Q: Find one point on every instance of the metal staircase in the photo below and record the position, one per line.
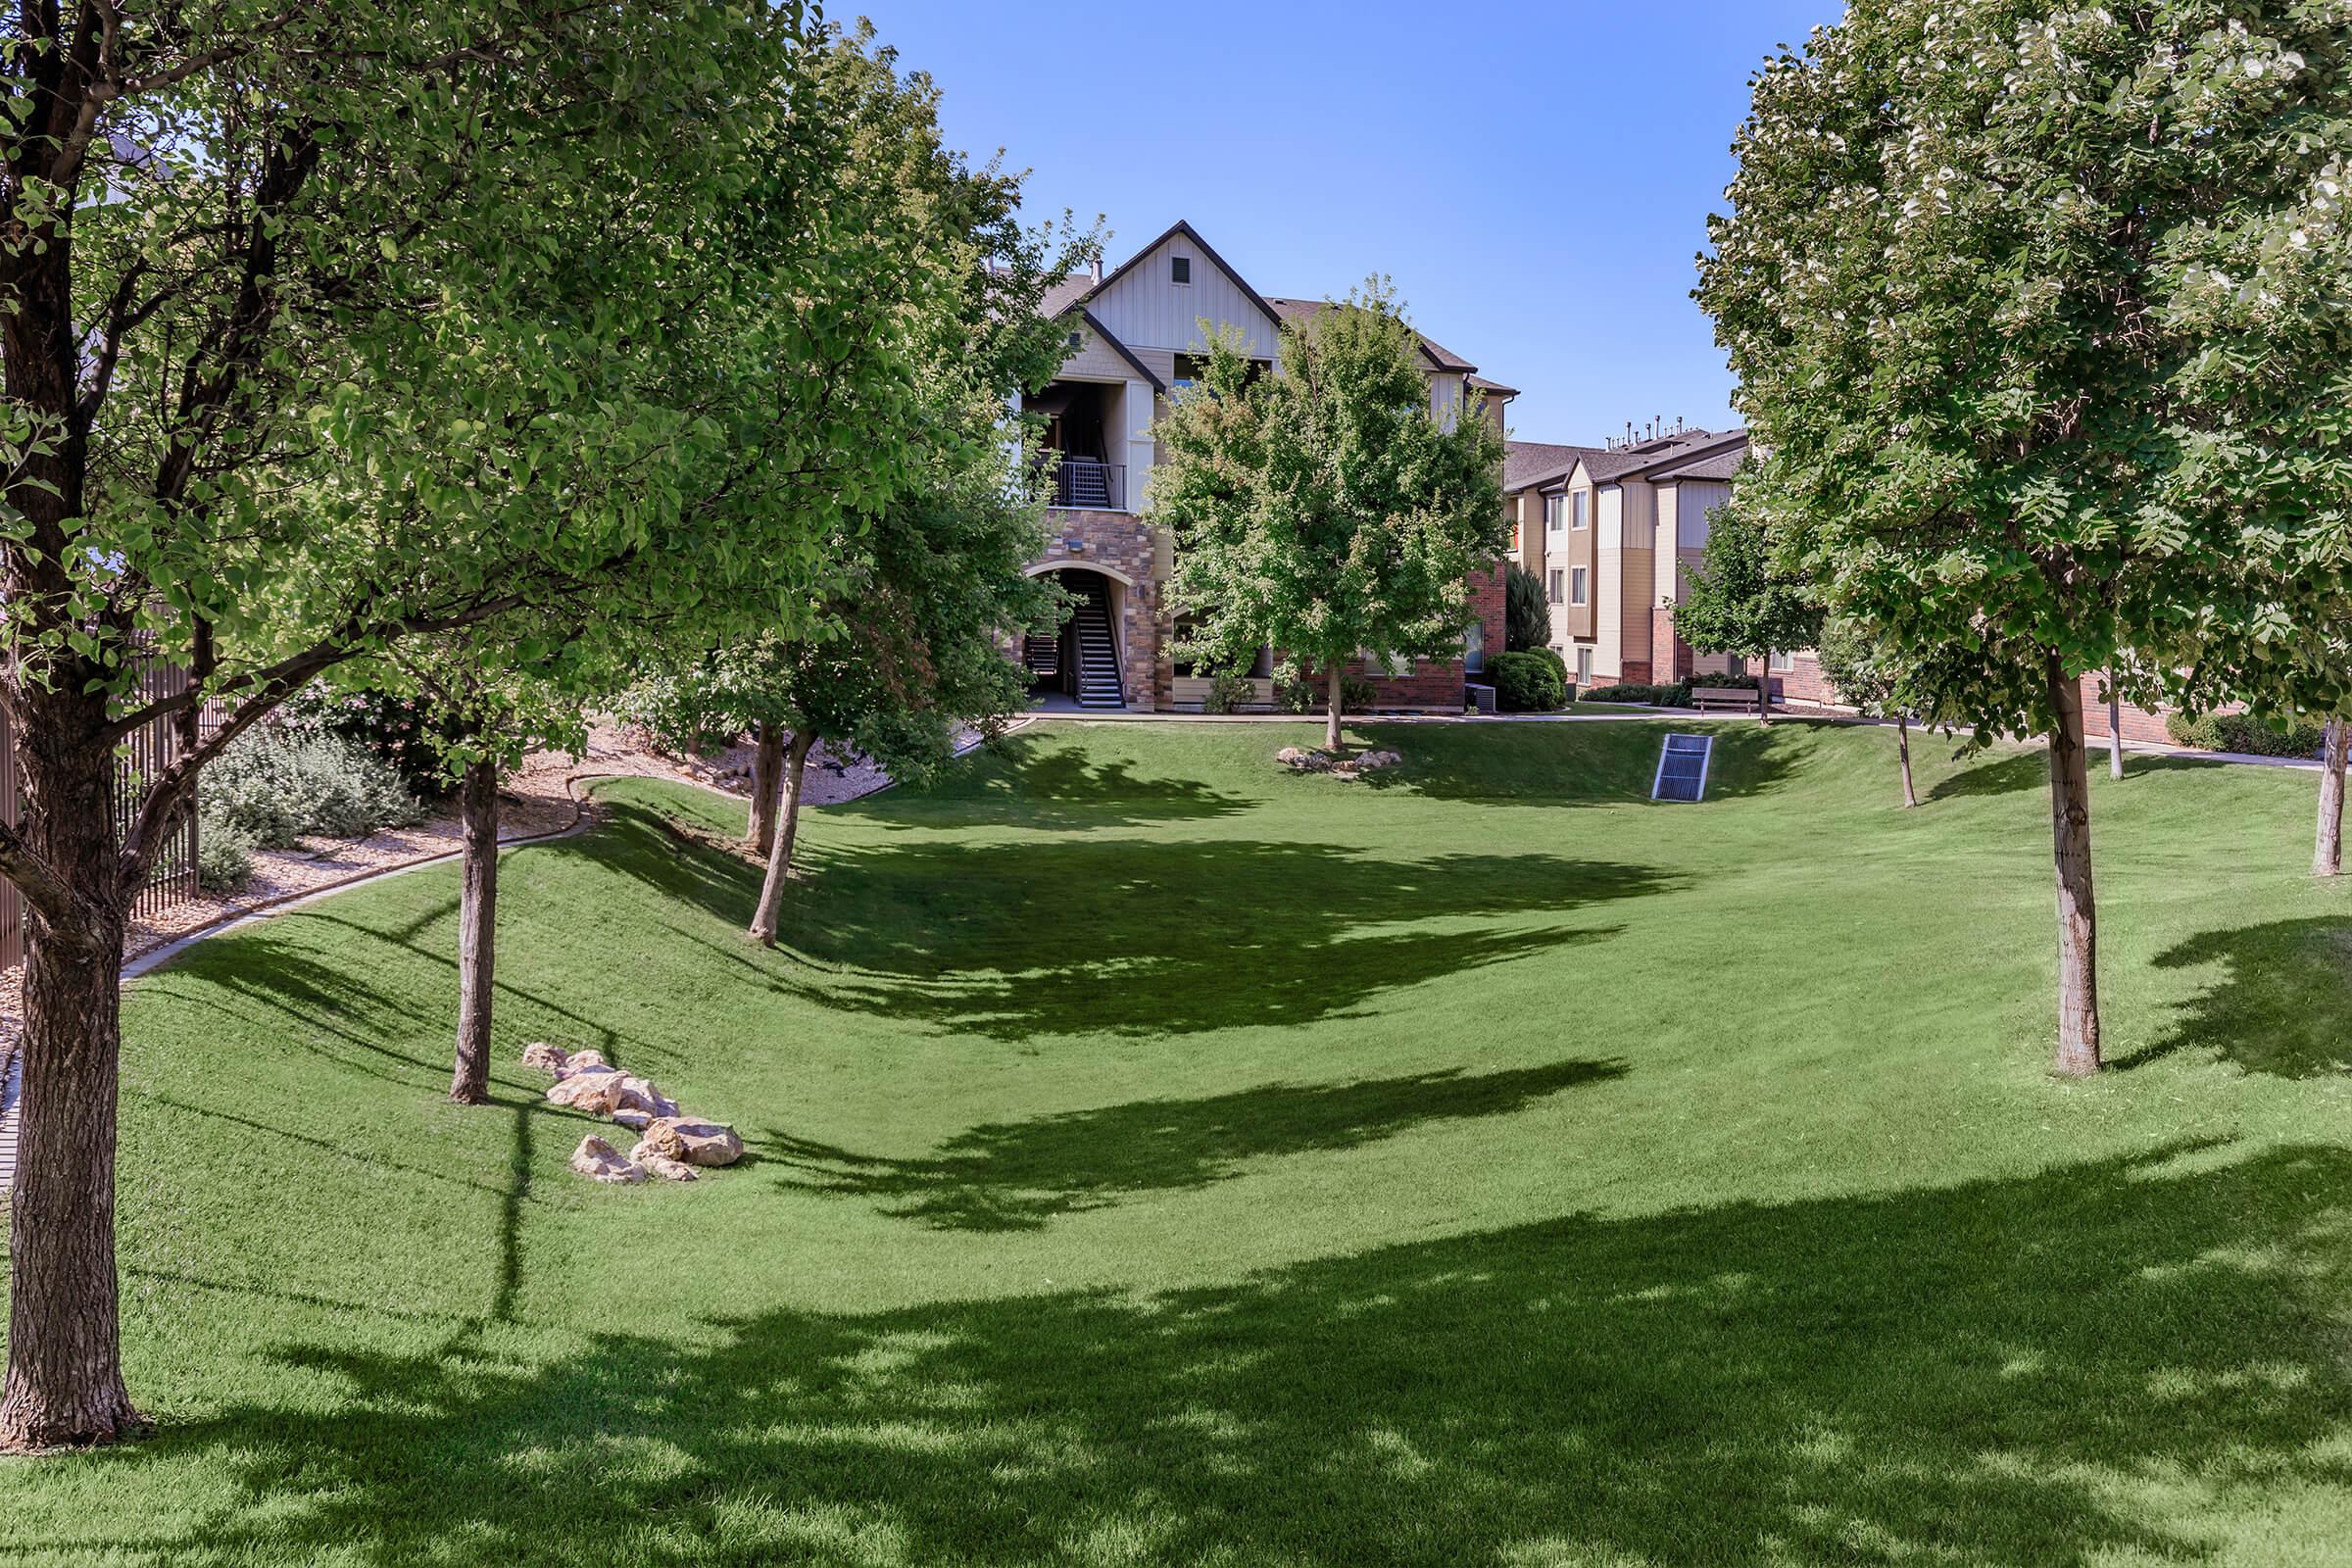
(1041, 652)
(1097, 654)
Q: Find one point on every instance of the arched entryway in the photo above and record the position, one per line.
(1079, 663)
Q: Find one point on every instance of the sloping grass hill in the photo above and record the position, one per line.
(1158, 1158)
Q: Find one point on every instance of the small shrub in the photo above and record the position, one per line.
(223, 857)
(2246, 733)
(276, 786)
(1528, 683)
(1228, 693)
(1294, 694)
(1662, 696)
(403, 731)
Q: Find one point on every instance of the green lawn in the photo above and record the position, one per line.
(1158, 1158)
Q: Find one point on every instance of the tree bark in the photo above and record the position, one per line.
(2115, 729)
(477, 933)
(64, 1384)
(1764, 689)
(2078, 908)
(1902, 750)
(767, 770)
(1333, 702)
(2328, 857)
(788, 827)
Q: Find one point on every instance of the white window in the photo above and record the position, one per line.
(1577, 585)
(1551, 513)
(1179, 269)
(1784, 663)
(1474, 646)
(1578, 519)
(1557, 578)
(1584, 665)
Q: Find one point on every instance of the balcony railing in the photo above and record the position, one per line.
(1085, 484)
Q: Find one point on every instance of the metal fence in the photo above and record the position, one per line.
(151, 748)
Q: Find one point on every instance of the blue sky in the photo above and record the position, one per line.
(1537, 178)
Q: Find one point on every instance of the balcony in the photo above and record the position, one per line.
(1089, 485)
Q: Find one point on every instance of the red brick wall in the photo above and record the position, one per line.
(2138, 724)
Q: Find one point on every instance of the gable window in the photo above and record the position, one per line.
(1557, 578)
(1577, 585)
(1179, 269)
(1551, 513)
(1077, 340)
(1578, 519)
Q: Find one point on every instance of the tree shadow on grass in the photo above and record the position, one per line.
(1038, 782)
(2279, 1005)
(2120, 1358)
(2010, 775)
(1012, 1176)
(1141, 937)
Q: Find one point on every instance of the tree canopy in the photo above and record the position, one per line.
(1329, 509)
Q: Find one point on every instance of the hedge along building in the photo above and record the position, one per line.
(1134, 338)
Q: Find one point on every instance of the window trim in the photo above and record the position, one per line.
(1554, 512)
(1580, 587)
(1580, 513)
(1182, 264)
(1555, 587)
(1782, 661)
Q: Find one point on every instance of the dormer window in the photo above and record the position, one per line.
(1077, 340)
(1179, 269)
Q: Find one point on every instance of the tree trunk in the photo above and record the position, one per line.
(2328, 858)
(2115, 730)
(2077, 910)
(1902, 750)
(767, 769)
(477, 933)
(788, 827)
(65, 1360)
(1764, 689)
(1335, 701)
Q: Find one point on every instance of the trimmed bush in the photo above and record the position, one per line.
(1662, 696)
(1528, 683)
(401, 730)
(223, 857)
(2246, 734)
(278, 785)
(1228, 693)
(1297, 696)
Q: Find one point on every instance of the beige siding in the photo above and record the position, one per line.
(1096, 361)
(1144, 309)
(1609, 577)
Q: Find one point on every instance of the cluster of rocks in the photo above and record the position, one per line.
(670, 1143)
(1305, 759)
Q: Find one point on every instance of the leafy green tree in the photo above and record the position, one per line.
(330, 327)
(907, 655)
(1526, 612)
(1960, 283)
(1868, 676)
(1745, 600)
(1328, 509)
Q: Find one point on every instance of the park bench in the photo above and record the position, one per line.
(1705, 698)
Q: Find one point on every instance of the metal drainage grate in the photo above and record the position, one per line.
(1683, 768)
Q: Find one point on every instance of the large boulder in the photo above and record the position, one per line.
(638, 1093)
(600, 1162)
(693, 1140)
(581, 1061)
(657, 1163)
(596, 1093)
(546, 1058)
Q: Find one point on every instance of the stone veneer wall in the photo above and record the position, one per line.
(1124, 544)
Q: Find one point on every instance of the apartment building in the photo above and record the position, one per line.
(1135, 335)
